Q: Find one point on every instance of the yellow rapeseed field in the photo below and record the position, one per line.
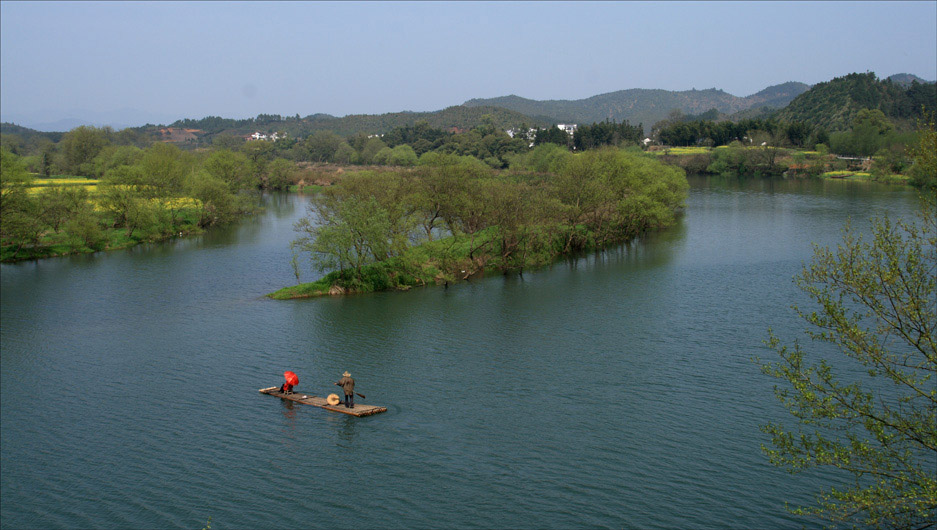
(37, 185)
(92, 189)
(694, 150)
(69, 181)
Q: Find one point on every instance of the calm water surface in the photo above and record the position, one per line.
(614, 390)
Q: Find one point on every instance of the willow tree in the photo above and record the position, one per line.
(871, 409)
(344, 233)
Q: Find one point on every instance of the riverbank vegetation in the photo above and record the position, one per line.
(872, 148)
(144, 195)
(452, 217)
(153, 183)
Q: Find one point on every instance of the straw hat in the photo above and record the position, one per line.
(332, 399)
(346, 374)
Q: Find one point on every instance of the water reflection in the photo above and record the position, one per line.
(289, 415)
(344, 426)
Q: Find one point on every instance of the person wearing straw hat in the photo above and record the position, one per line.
(348, 385)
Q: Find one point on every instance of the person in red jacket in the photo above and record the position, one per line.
(291, 380)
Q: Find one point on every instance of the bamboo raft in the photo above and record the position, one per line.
(315, 401)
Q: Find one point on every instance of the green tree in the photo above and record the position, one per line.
(321, 146)
(443, 178)
(369, 149)
(20, 223)
(616, 195)
(85, 230)
(229, 167)
(59, 203)
(871, 411)
(114, 156)
(402, 155)
(281, 174)
(545, 158)
(382, 157)
(80, 146)
(128, 209)
(869, 129)
(12, 170)
(218, 204)
(924, 169)
(349, 233)
(260, 154)
(345, 154)
(165, 169)
(396, 193)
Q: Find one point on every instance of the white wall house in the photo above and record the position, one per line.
(261, 136)
(569, 128)
(530, 134)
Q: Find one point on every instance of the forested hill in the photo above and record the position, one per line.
(644, 106)
(29, 135)
(833, 104)
(459, 117)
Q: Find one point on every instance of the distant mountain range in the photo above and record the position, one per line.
(66, 120)
(827, 104)
(645, 106)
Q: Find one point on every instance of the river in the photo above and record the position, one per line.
(612, 390)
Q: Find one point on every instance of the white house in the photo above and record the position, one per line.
(570, 128)
(530, 134)
(261, 136)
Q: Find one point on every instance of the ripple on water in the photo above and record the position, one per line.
(613, 390)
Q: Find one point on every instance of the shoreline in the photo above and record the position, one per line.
(422, 266)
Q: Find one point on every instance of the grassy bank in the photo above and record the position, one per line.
(866, 176)
(59, 243)
(770, 161)
(441, 262)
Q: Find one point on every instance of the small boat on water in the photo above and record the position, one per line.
(322, 403)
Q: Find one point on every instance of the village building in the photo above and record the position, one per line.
(261, 136)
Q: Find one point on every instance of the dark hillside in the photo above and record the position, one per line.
(833, 104)
(777, 96)
(456, 117)
(27, 134)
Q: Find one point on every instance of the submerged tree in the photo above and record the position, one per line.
(872, 414)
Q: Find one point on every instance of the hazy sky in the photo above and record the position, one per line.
(239, 59)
